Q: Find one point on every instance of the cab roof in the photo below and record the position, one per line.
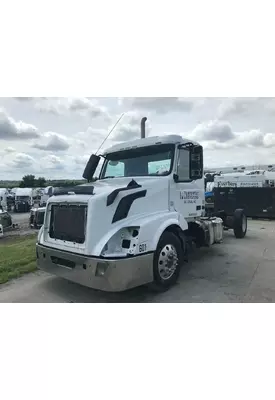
(149, 141)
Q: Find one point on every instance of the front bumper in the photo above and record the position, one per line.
(35, 226)
(97, 273)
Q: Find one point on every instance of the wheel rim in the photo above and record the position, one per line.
(167, 262)
(244, 223)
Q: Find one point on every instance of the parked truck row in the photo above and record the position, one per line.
(23, 199)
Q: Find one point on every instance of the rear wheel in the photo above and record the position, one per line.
(239, 223)
(168, 259)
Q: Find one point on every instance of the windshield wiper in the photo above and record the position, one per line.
(107, 177)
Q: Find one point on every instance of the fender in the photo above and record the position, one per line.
(171, 220)
(151, 228)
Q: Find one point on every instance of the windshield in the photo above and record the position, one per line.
(22, 198)
(143, 161)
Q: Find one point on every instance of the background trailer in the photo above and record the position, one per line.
(254, 193)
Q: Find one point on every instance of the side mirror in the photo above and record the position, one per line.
(196, 163)
(91, 167)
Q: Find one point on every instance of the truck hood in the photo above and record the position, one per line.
(104, 217)
(106, 186)
(102, 188)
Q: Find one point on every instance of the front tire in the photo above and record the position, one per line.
(168, 258)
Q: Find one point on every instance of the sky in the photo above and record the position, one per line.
(54, 136)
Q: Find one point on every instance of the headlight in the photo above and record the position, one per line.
(123, 242)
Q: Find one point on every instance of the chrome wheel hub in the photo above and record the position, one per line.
(167, 262)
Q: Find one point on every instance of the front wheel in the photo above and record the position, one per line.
(239, 223)
(168, 259)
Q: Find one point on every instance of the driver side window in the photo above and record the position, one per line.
(184, 165)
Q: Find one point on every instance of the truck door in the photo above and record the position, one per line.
(186, 195)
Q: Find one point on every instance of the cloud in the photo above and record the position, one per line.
(95, 134)
(217, 134)
(82, 160)
(80, 143)
(129, 128)
(15, 130)
(66, 105)
(160, 105)
(252, 138)
(24, 98)
(269, 104)
(22, 160)
(52, 141)
(233, 106)
(269, 140)
(9, 150)
(220, 131)
(245, 107)
(52, 162)
(237, 129)
(90, 139)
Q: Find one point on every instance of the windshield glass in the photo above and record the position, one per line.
(22, 198)
(143, 161)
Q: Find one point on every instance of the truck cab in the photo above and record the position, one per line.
(23, 200)
(132, 225)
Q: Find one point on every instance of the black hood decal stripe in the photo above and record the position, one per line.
(112, 196)
(125, 204)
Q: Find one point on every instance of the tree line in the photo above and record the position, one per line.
(30, 181)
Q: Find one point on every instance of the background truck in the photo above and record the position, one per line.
(6, 223)
(135, 224)
(253, 192)
(23, 200)
(36, 218)
(47, 193)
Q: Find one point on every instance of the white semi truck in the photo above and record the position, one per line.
(134, 225)
(23, 199)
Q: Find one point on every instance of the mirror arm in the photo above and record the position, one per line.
(176, 177)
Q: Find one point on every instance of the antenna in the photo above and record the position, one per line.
(109, 133)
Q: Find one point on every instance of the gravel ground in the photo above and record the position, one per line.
(22, 219)
(234, 271)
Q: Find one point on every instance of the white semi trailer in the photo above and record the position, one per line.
(133, 225)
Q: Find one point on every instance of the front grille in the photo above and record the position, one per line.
(68, 222)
